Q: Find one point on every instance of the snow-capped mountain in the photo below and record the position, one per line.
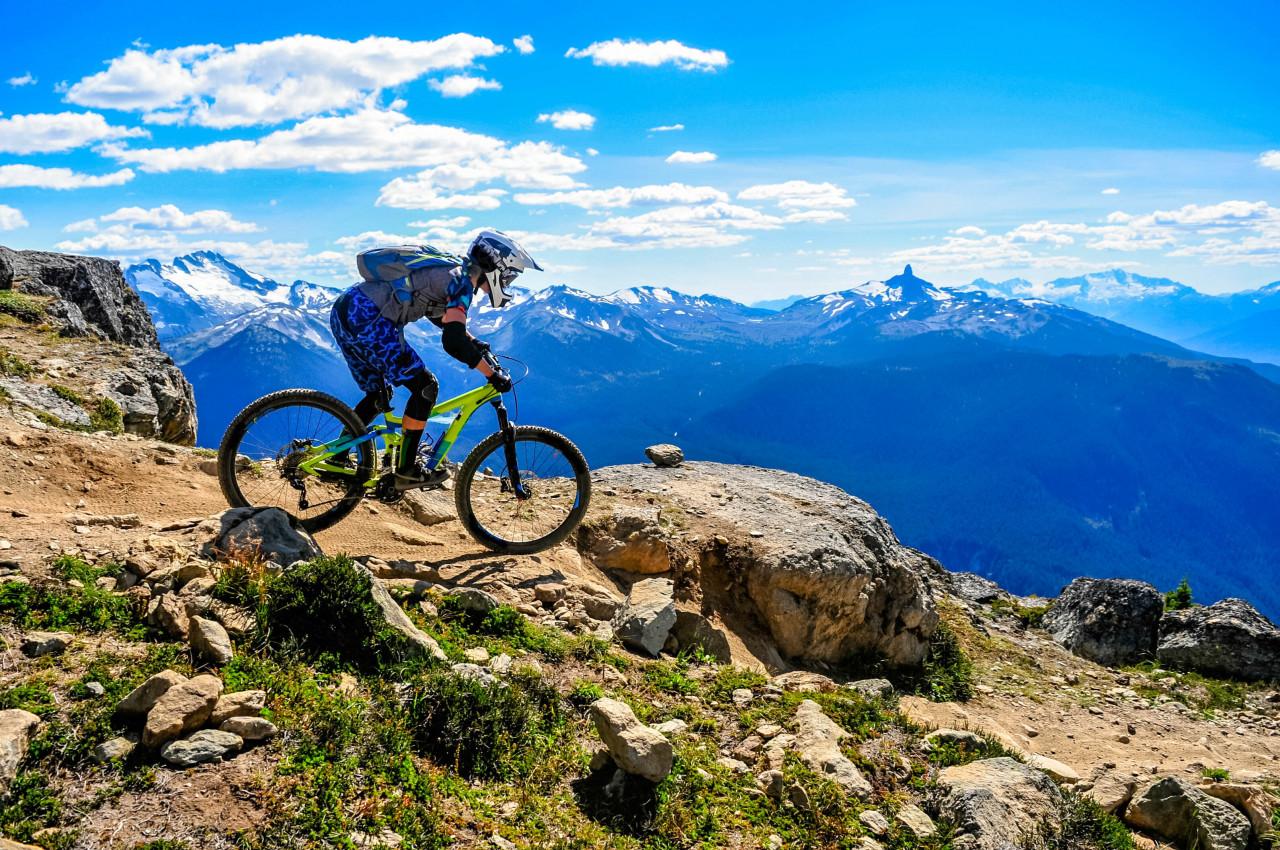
(1166, 308)
(200, 290)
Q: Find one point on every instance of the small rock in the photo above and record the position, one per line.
(116, 748)
(476, 600)
(665, 455)
(183, 707)
(210, 639)
(733, 765)
(872, 688)
(772, 783)
(916, 822)
(36, 644)
(798, 797)
(141, 699)
(250, 728)
(742, 697)
(1059, 772)
(634, 747)
(671, 727)
(16, 728)
(876, 823)
(237, 704)
(477, 655)
(95, 689)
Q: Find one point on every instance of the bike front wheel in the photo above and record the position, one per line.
(553, 473)
(258, 461)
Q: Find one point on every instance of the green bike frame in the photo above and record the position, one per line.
(389, 435)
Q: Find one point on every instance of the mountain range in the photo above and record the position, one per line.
(1240, 324)
(1024, 439)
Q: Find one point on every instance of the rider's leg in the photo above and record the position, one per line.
(373, 403)
(423, 390)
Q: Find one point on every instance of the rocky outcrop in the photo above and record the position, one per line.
(89, 297)
(1110, 621)
(629, 539)
(999, 802)
(974, 588)
(822, 570)
(1228, 639)
(1181, 812)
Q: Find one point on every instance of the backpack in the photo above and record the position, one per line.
(393, 264)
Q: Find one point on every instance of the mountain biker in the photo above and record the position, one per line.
(368, 323)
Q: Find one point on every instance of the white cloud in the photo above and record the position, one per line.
(969, 230)
(666, 129)
(269, 82)
(653, 53)
(14, 176)
(264, 256)
(524, 44)
(685, 157)
(621, 196)
(169, 218)
(568, 120)
(799, 194)
(414, 193)
(1111, 191)
(53, 133)
(815, 216)
(685, 226)
(25, 80)
(461, 85)
(10, 218)
(1169, 228)
(374, 140)
(452, 223)
(592, 152)
(1270, 159)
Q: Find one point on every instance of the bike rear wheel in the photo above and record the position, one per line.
(552, 470)
(262, 447)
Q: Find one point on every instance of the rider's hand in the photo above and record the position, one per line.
(482, 346)
(500, 381)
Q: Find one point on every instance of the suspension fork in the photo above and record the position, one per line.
(509, 444)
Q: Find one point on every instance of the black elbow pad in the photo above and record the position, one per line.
(459, 345)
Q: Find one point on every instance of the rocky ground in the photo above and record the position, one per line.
(703, 665)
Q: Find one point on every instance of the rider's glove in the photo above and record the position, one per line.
(500, 381)
(482, 346)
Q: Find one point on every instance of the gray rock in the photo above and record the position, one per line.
(1228, 639)
(916, 822)
(1178, 810)
(475, 673)
(1112, 791)
(430, 507)
(633, 746)
(266, 531)
(476, 601)
(183, 707)
(872, 688)
(197, 594)
(142, 698)
(421, 642)
(829, 577)
(601, 608)
(818, 742)
(205, 745)
(36, 644)
(696, 630)
(772, 783)
(646, 617)
(974, 588)
(999, 802)
(665, 454)
(210, 640)
(971, 741)
(95, 689)
(1110, 621)
(629, 539)
(116, 748)
(41, 398)
(250, 728)
(16, 728)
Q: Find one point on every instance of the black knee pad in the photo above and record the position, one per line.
(423, 389)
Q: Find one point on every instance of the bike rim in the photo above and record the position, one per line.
(545, 472)
(272, 445)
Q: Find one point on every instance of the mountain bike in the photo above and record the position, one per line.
(522, 489)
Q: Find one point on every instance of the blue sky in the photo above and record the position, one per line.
(993, 140)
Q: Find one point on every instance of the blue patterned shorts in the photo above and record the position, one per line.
(374, 350)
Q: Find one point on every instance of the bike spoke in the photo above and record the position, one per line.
(544, 472)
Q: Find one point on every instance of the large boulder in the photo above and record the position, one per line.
(823, 571)
(1112, 621)
(16, 728)
(634, 747)
(266, 532)
(645, 619)
(818, 742)
(1228, 639)
(1179, 811)
(999, 802)
(629, 538)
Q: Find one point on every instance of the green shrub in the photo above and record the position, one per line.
(107, 417)
(487, 732)
(585, 693)
(1085, 826)
(1178, 599)
(945, 674)
(1029, 618)
(20, 306)
(1217, 774)
(69, 567)
(324, 611)
(14, 366)
(51, 606)
(31, 806)
(669, 678)
(68, 394)
(729, 678)
(33, 696)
